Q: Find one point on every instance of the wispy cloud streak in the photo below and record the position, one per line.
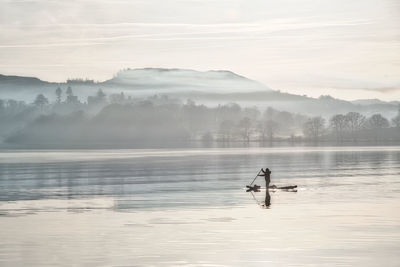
(286, 44)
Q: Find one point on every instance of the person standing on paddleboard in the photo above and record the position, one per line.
(267, 176)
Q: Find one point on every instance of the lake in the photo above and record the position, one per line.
(189, 207)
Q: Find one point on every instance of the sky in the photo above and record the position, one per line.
(347, 49)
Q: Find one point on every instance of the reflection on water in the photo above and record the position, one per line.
(267, 201)
(195, 178)
(189, 207)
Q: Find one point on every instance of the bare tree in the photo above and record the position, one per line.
(376, 123)
(339, 123)
(355, 123)
(314, 128)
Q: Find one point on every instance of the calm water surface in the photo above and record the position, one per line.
(189, 207)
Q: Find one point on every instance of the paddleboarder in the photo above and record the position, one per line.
(267, 175)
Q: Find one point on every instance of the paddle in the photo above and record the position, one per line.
(256, 177)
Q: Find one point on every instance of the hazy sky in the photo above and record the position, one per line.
(346, 48)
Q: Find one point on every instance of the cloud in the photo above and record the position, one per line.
(44, 45)
(97, 33)
(305, 43)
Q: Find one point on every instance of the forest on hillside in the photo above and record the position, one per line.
(118, 119)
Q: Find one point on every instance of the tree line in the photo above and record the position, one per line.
(118, 118)
(354, 127)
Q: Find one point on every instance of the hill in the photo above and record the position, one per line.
(137, 82)
(208, 87)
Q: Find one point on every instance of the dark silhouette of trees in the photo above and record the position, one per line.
(355, 123)
(71, 98)
(98, 100)
(41, 101)
(314, 128)
(58, 94)
(396, 120)
(69, 92)
(157, 118)
(376, 123)
(339, 124)
(2, 106)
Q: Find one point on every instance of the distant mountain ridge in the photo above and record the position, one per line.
(184, 80)
(373, 102)
(20, 80)
(132, 81)
(210, 87)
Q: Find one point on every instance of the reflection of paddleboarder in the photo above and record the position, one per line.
(267, 203)
(267, 198)
(267, 176)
